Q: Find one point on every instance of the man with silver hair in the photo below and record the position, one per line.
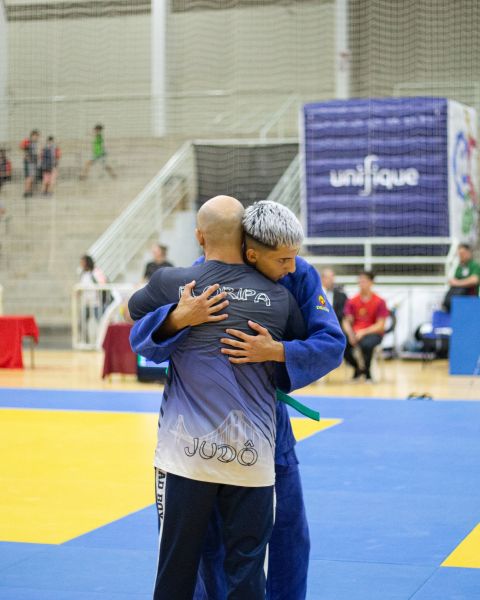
(273, 225)
(273, 237)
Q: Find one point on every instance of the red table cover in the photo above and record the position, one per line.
(119, 357)
(12, 330)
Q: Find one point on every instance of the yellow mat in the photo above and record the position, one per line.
(64, 473)
(467, 553)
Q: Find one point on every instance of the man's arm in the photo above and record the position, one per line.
(150, 307)
(306, 360)
(470, 281)
(347, 323)
(378, 327)
(149, 298)
(161, 334)
(143, 340)
(194, 310)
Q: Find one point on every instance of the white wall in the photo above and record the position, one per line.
(96, 68)
(3, 73)
(178, 234)
(255, 56)
(431, 45)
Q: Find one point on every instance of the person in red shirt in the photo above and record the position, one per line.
(363, 324)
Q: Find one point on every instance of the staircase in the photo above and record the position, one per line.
(41, 245)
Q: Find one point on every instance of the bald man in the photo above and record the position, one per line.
(216, 433)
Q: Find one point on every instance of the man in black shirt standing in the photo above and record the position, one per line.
(159, 261)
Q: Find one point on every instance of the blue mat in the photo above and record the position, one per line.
(390, 493)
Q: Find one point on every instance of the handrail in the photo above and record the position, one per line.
(293, 99)
(384, 241)
(89, 327)
(125, 237)
(168, 96)
(287, 189)
(368, 259)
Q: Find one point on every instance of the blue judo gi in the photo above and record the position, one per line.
(305, 361)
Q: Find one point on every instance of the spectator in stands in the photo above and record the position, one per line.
(30, 161)
(335, 295)
(159, 261)
(5, 168)
(466, 279)
(363, 323)
(49, 162)
(99, 153)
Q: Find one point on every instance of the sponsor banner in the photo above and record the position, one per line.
(463, 172)
(376, 167)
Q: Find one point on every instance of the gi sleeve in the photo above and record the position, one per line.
(150, 307)
(151, 296)
(322, 351)
(143, 336)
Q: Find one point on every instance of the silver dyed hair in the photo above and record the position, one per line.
(272, 224)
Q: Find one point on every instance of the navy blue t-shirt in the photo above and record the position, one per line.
(217, 419)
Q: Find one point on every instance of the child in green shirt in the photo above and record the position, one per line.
(99, 154)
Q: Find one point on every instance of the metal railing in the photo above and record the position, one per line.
(94, 307)
(279, 119)
(211, 112)
(367, 259)
(288, 188)
(174, 185)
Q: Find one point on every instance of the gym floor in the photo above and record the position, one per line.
(392, 488)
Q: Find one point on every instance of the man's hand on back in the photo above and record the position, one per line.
(253, 348)
(194, 310)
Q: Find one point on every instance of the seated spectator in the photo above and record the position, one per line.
(159, 261)
(363, 323)
(466, 279)
(5, 168)
(335, 295)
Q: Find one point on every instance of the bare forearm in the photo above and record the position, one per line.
(375, 328)
(245, 348)
(467, 282)
(347, 327)
(277, 353)
(172, 324)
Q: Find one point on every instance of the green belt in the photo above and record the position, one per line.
(298, 406)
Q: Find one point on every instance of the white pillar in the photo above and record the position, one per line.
(159, 66)
(3, 73)
(342, 51)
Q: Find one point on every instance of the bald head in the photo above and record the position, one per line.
(219, 222)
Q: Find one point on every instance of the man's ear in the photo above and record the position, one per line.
(251, 256)
(199, 236)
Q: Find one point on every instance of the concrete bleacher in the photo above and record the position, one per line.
(40, 248)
